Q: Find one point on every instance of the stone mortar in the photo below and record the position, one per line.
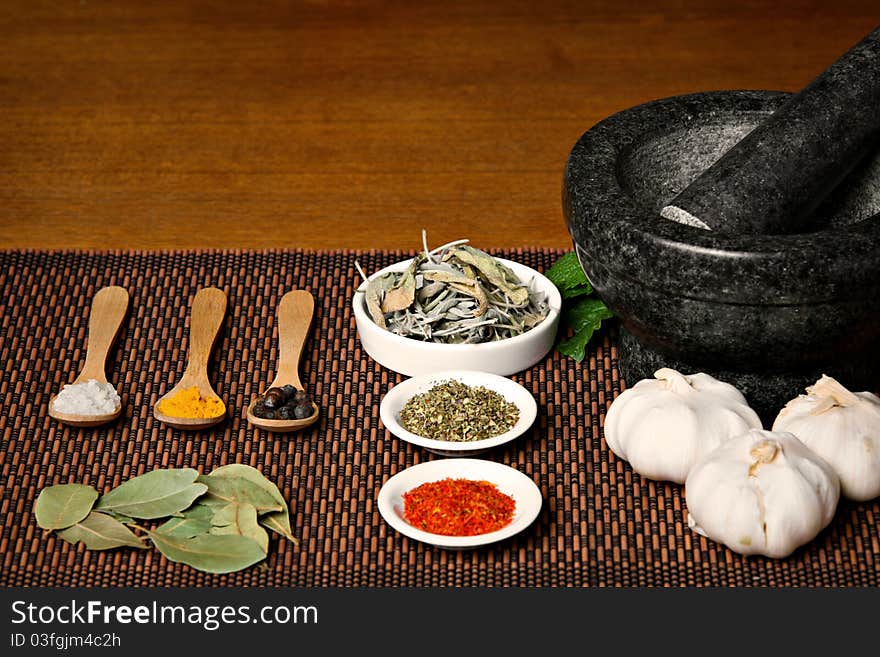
(768, 313)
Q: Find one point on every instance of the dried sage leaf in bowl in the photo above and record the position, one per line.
(454, 294)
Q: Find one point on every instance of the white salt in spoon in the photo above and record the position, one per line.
(109, 306)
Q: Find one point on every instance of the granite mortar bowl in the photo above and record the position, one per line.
(767, 313)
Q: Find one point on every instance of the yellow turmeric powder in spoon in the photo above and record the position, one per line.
(188, 403)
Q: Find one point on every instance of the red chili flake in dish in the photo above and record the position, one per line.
(458, 507)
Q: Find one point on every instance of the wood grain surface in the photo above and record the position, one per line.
(334, 125)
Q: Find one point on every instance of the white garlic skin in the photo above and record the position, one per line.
(762, 492)
(843, 427)
(662, 426)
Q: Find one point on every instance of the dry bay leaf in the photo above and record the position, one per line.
(212, 553)
(240, 519)
(155, 494)
(276, 521)
(124, 519)
(192, 522)
(279, 522)
(223, 490)
(64, 505)
(98, 531)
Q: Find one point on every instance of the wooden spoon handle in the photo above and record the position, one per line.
(206, 317)
(295, 313)
(109, 306)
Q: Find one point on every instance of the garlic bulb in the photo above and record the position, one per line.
(762, 492)
(663, 425)
(843, 427)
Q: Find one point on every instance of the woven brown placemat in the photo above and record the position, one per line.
(601, 525)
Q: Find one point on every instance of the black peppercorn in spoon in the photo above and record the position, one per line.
(295, 313)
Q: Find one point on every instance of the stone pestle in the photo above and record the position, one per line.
(772, 180)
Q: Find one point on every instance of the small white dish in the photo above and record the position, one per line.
(509, 481)
(395, 399)
(413, 357)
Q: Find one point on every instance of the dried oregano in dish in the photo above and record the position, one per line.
(453, 410)
(454, 294)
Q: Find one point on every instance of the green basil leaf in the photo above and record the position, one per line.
(587, 313)
(99, 531)
(584, 317)
(155, 494)
(64, 505)
(568, 275)
(210, 553)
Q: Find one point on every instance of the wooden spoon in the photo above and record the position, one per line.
(109, 306)
(208, 309)
(295, 313)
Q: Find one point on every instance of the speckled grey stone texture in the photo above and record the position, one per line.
(773, 180)
(772, 308)
(766, 391)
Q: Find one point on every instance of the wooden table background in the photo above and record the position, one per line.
(334, 125)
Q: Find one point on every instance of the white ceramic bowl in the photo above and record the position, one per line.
(504, 357)
(510, 481)
(395, 399)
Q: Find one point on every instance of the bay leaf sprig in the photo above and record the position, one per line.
(192, 522)
(276, 521)
(241, 520)
(64, 505)
(223, 491)
(211, 553)
(99, 531)
(215, 523)
(582, 310)
(155, 494)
